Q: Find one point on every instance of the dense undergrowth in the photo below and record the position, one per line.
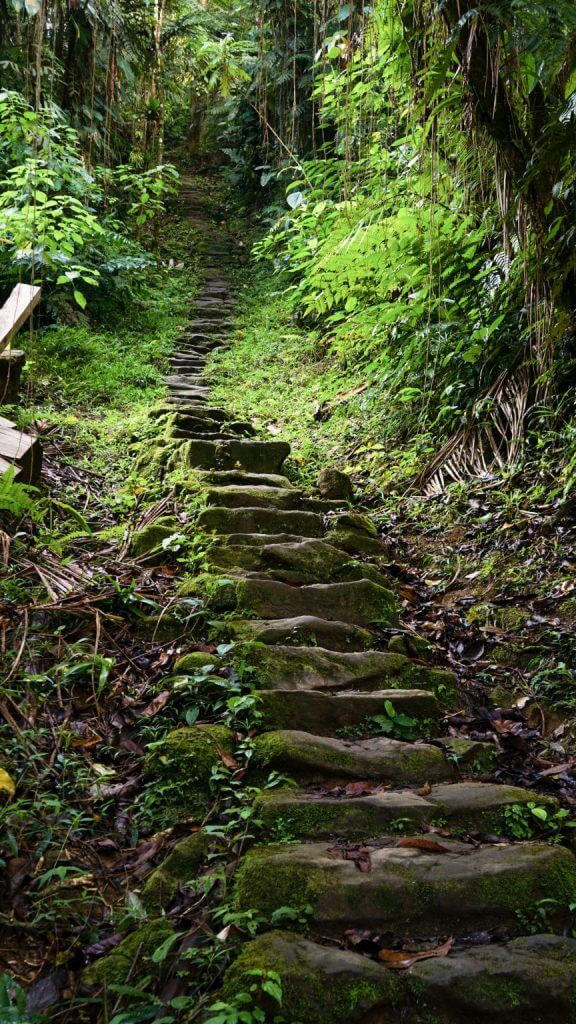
(96, 633)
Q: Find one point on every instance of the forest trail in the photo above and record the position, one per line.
(371, 849)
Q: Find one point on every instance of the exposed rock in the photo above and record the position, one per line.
(319, 985)
(409, 890)
(180, 766)
(332, 483)
(130, 959)
(317, 758)
(326, 714)
(149, 538)
(195, 662)
(300, 630)
(180, 866)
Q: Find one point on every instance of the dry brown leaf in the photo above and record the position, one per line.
(426, 845)
(156, 705)
(227, 759)
(400, 959)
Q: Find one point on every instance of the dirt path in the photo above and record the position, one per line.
(388, 840)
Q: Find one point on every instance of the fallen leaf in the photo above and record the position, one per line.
(156, 705)
(558, 769)
(400, 959)
(358, 854)
(7, 784)
(426, 845)
(227, 759)
(363, 788)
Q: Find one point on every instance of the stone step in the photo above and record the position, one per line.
(181, 391)
(409, 891)
(259, 539)
(286, 667)
(233, 477)
(203, 434)
(328, 714)
(477, 807)
(310, 561)
(301, 630)
(360, 602)
(260, 496)
(528, 980)
(310, 758)
(187, 365)
(213, 413)
(254, 456)
(190, 426)
(177, 380)
(260, 521)
(203, 324)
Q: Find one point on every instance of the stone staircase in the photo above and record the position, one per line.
(304, 593)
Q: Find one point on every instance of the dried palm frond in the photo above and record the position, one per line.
(492, 438)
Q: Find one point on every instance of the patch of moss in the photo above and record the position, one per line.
(178, 772)
(130, 960)
(318, 986)
(195, 661)
(180, 866)
(149, 538)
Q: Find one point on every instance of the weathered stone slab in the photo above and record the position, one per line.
(465, 806)
(311, 758)
(259, 521)
(408, 890)
(361, 602)
(327, 714)
(529, 980)
(301, 630)
(304, 668)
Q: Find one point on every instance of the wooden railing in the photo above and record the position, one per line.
(14, 313)
(17, 449)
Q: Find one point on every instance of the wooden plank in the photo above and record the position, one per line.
(4, 465)
(23, 451)
(6, 423)
(16, 310)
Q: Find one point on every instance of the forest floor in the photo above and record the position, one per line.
(92, 628)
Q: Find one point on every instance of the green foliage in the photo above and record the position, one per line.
(526, 821)
(18, 499)
(245, 1009)
(395, 724)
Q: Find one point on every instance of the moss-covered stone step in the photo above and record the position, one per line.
(212, 412)
(262, 496)
(234, 477)
(529, 980)
(310, 758)
(293, 668)
(360, 602)
(300, 630)
(254, 456)
(327, 713)
(410, 891)
(131, 959)
(181, 765)
(187, 380)
(260, 521)
(311, 561)
(179, 867)
(461, 806)
(202, 434)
